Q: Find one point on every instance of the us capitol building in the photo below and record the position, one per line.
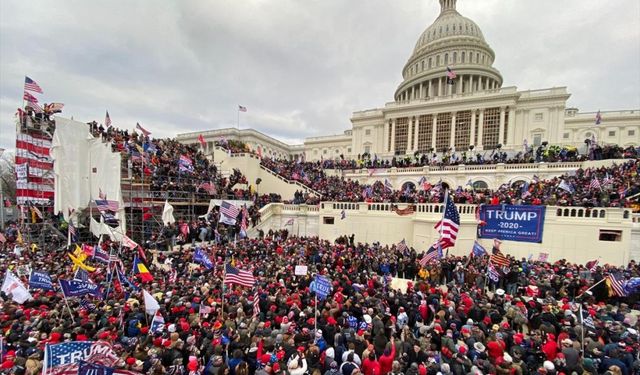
(428, 114)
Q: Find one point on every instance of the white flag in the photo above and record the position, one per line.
(150, 303)
(12, 285)
(167, 214)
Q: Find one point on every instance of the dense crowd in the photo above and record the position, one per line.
(450, 319)
(591, 187)
(170, 167)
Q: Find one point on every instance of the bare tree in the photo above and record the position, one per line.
(8, 175)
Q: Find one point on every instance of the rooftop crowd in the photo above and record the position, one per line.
(445, 322)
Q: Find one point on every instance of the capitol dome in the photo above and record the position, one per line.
(452, 41)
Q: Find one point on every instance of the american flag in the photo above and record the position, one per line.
(242, 109)
(209, 188)
(106, 205)
(143, 130)
(388, 185)
(499, 259)
(72, 232)
(107, 120)
(607, 180)
(35, 106)
(229, 210)
(449, 225)
(173, 276)
(31, 85)
(592, 265)
(233, 275)
(616, 286)
(87, 305)
(595, 184)
(30, 98)
(450, 73)
(256, 303)
(289, 222)
(101, 194)
(402, 247)
(434, 253)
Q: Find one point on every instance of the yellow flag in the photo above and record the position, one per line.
(19, 238)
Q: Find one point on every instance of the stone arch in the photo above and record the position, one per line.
(410, 184)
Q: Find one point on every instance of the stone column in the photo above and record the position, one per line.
(501, 129)
(393, 136)
(420, 95)
(471, 83)
(439, 87)
(385, 135)
(479, 144)
(510, 138)
(452, 138)
(433, 130)
(409, 135)
(416, 134)
(480, 88)
(473, 127)
(459, 84)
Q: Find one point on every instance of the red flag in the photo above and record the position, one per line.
(203, 143)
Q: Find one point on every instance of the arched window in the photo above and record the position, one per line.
(430, 62)
(446, 58)
(477, 57)
(483, 59)
(455, 57)
(480, 185)
(410, 185)
(462, 56)
(438, 60)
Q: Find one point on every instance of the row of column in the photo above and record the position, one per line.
(465, 83)
(412, 137)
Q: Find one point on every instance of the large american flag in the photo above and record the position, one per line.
(31, 85)
(233, 275)
(229, 209)
(449, 225)
(34, 169)
(107, 205)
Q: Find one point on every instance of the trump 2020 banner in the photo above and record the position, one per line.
(512, 223)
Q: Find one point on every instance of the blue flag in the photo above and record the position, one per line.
(125, 281)
(202, 258)
(478, 250)
(75, 288)
(40, 280)
(86, 368)
(100, 255)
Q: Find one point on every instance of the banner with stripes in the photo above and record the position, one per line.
(34, 169)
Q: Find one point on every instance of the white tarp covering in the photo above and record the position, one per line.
(83, 166)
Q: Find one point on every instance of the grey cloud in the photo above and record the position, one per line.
(301, 68)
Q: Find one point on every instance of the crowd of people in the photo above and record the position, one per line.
(172, 169)
(591, 187)
(448, 317)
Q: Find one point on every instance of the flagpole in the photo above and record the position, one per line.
(238, 118)
(67, 303)
(591, 287)
(444, 211)
(582, 330)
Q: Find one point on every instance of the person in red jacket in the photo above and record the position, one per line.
(370, 366)
(495, 348)
(550, 348)
(386, 359)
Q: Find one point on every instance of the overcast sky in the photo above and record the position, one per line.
(300, 67)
